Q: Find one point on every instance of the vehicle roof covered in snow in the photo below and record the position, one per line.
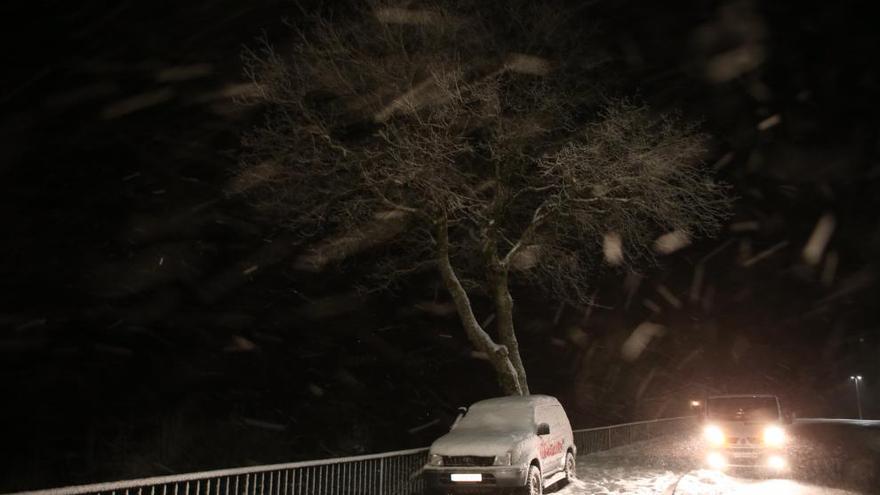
(517, 400)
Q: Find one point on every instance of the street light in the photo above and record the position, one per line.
(857, 380)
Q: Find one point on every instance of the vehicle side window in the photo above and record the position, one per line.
(552, 418)
(549, 416)
(562, 418)
(541, 416)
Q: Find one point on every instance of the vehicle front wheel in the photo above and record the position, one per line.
(569, 468)
(534, 482)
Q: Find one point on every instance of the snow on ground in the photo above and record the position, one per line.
(620, 481)
(670, 465)
(642, 468)
(708, 482)
(869, 423)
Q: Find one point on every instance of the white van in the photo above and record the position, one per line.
(522, 442)
(745, 431)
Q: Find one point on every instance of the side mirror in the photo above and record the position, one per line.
(461, 412)
(543, 429)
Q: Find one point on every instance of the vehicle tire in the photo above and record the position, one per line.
(534, 482)
(570, 473)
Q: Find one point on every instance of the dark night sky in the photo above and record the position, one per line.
(136, 337)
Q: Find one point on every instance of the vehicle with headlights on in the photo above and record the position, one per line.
(508, 444)
(745, 431)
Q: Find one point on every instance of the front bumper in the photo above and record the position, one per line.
(763, 458)
(440, 478)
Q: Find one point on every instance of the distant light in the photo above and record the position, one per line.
(859, 377)
(716, 461)
(852, 378)
(695, 403)
(776, 462)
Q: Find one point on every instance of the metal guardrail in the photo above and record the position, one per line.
(387, 473)
(592, 440)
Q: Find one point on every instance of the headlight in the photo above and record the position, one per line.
(502, 460)
(435, 460)
(714, 435)
(716, 461)
(774, 436)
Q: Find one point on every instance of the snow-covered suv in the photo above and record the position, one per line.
(517, 443)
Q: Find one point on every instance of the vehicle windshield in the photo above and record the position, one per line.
(497, 418)
(743, 409)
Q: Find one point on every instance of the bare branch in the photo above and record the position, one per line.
(540, 214)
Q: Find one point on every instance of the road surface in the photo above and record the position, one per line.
(826, 462)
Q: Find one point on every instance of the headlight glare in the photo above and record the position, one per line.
(716, 461)
(435, 460)
(774, 436)
(776, 462)
(502, 460)
(714, 435)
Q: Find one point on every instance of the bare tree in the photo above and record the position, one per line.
(483, 141)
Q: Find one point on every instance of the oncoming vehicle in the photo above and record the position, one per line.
(509, 444)
(745, 431)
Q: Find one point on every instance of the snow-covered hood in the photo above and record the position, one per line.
(478, 442)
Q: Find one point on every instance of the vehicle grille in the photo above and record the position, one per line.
(467, 460)
(743, 440)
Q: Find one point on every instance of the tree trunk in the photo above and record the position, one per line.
(506, 331)
(507, 375)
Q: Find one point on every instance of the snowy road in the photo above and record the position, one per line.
(667, 466)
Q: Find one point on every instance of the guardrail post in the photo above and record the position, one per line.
(382, 476)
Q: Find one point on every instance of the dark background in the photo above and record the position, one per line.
(150, 323)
